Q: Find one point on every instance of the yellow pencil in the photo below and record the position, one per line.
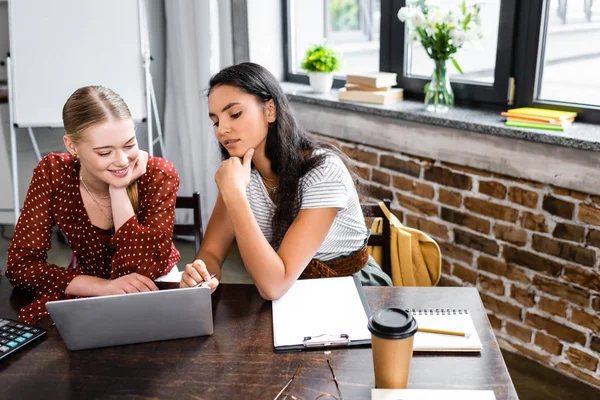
(443, 332)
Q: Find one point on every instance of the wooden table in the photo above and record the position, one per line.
(238, 361)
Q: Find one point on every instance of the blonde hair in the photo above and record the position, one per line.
(92, 105)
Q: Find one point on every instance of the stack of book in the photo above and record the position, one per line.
(539, 118)
(375, 87)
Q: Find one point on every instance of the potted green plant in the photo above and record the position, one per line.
(320, 62)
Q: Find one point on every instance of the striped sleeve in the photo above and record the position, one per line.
(325, 185)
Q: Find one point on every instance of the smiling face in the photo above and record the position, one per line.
(107, 151)
(241, 120)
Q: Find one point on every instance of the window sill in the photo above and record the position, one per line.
(583, 136)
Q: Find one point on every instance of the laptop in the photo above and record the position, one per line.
(133, 318)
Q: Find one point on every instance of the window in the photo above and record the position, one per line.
(351, 26)
(566, 26)
(538, 53)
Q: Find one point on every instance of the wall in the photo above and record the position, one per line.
(50, 140)
(530, 248)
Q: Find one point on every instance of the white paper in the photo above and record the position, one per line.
(314, 307)
(425, 341)
(427, 394)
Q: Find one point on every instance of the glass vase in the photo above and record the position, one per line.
(438, 93)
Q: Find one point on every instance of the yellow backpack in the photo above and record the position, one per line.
(415, 257)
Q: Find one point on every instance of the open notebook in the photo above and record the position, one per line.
(450, 320)
(317, 313)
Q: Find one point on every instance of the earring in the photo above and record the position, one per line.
(74, 154)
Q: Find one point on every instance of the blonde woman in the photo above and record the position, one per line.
(114, 203)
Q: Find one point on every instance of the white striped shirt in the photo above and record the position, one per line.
(328, 185)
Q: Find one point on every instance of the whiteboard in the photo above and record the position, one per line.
(57, 46)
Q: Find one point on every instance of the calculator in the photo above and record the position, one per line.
(15, 335)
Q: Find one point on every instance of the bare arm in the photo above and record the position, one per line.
(272, 272)
(217, 242)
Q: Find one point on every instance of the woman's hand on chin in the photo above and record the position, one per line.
(136, 170)
(233, 176)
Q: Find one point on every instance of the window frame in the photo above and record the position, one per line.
(464, 92)
(526, 64)
(518, 49)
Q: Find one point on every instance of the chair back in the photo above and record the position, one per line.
(380, 239)
(195, 229)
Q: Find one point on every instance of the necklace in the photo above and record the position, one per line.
(271, 187)
(100, 206)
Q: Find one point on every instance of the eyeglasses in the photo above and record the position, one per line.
(320, 396)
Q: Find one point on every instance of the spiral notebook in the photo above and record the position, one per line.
(450, 320)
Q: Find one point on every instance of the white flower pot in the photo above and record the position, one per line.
(320, 82)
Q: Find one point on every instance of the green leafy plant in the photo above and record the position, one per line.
(321, 58)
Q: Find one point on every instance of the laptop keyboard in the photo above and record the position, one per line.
(15, 335)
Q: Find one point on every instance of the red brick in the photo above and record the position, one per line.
(583, 277)
(569, 232)
(589, 213)
(495, 322)
(517, 274)
(510, 234)
(363, 172)
(554, 307)
(449, 281)
(562, 290)
(446, 267)
(548, 343)
(399, 214)
(492, 265)
(491, 285)
(490, 209)
(569, 369)
(531, 261)
(380, 177)
(517, 331)
(476, 242)
(449, 197)
(469, 221)
(466, 274)
(523, 197)
(402, 183)
(595, 344)
(586, 319)
(402, 166)
(558, 207)
(533, 184)
(555, 329)
(416, 205)
(423, 190)
(446, 177)
(572, 193)
(493, 189)
(532, 353)
(593, 238)
(564, 250)
(501, 307)
(455, 252)
(595, 199)
(367, 157)
(378, 192)
(430, 227)
(523, 296)
(582, 359)
(533, 222)
(596, 303)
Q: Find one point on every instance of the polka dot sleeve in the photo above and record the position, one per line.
(144, 243)
(27, 267)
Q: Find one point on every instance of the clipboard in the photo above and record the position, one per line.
(321, 313)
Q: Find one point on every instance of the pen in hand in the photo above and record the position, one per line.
(203, 281)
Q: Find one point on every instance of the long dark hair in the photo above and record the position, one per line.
(288, 146)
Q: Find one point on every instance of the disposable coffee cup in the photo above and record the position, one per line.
(392, 335)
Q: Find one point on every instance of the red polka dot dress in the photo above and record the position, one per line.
(143, 244)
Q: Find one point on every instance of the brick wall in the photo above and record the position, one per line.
(530, 248)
